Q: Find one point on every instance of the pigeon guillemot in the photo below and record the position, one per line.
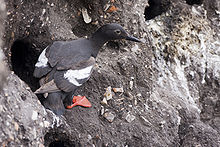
(65, 65)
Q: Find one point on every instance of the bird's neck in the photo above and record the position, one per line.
(97, 42)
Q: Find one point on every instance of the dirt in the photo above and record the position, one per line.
(147, 113)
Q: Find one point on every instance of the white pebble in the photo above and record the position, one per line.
(34, 115)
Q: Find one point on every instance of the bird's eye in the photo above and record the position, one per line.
(118, 32)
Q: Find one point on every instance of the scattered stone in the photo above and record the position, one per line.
(145, 121)
(104, 101)
(89, 137)
(111, 9)
(118, 90)
(131, 84)
(11, 137)
(162, 123)
(16, 126)
(135, 48)
(46, 124)
(130, 106)
(1, 108)
(106, 7)
(135, 102)
(109, 116)
(120, 103)
(34, 115)
(129, 117)
(139, 95)
(129, 95)
(121, 99)
(86, 16)
(41, 145)
(28, 88)
(108, 93)
(102, 110)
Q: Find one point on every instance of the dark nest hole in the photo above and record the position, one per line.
(56, 138)
(156, 7)
(60, 143)
(192, 2)
(23, 58)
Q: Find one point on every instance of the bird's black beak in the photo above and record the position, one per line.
(131, 38)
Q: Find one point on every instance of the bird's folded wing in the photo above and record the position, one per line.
(47, 88)
(56, 52)
(69, 80)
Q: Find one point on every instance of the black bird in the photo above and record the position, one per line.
(65, 65)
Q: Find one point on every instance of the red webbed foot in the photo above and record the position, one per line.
(81, 101)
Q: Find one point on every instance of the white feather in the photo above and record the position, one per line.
(74, 75)
(42, 60)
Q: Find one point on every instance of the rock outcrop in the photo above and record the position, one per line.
(168, 85)
(3, 70)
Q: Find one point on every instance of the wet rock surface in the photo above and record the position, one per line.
(170, 82)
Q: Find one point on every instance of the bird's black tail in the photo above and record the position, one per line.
(54, 102)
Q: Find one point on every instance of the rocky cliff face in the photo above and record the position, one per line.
(169, 85)
(3, 70)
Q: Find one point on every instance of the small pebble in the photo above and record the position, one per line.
(34, 115)
(135, 48)
(1, 108)
(109, 116)
(16, 126)
(108, 93)
(46, 124)
(41, 145)
(135, 102)
(104, 101)
(139, 95)
(131, 84)
(28, 88)
(118, 90)
(129, 118)
(102, 110)
(129, 95)
(86, 17)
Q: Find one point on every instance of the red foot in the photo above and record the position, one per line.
(81, 101)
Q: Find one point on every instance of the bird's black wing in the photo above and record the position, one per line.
(58, 52)
(69, 80)
(65, 54)
(68, 63)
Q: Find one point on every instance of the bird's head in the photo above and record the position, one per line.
(114, 31)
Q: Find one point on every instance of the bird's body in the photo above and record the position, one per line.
(65, 65)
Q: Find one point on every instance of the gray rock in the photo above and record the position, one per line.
(3, 69)
(176, 76)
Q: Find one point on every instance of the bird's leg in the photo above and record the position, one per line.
(81, 101)
(70, 101)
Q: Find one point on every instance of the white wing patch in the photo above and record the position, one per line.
(74, 75)
(42, 60)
